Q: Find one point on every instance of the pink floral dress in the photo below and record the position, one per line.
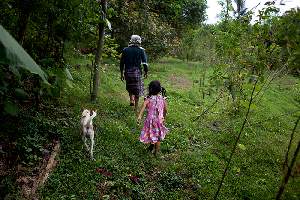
(154, 129)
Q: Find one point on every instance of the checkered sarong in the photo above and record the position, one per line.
(134, 82)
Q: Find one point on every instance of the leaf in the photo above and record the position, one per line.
(253, 106)
(108, 23)
(15, 71)
(69, 75)
(11, 108)
(12, 53)
(237, 170)
(242, 147)
(21, 94)
(69, 83)
(4, 87)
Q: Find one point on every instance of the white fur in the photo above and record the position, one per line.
(88, 129)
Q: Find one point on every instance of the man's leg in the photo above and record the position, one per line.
(136, 103)
(131, 99)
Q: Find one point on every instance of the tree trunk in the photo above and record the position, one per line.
(227, 10)
(25, 7)
(23, 21)
(96, 75)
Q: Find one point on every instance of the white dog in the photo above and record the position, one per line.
(88, 129)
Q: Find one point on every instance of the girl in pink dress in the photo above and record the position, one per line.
(154, 130)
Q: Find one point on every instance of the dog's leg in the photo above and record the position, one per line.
(92, 146)
(84, 141)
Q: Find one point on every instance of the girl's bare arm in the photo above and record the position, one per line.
(142, 109)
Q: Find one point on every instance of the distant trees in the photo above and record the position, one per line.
(269, 43)
(160, 23)
(44, 26)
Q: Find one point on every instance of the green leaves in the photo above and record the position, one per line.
(11, 108)
(108, 23)
(69, 83)
(69, 76)
(12, 53)
(15, 71)
(21, 94)
(242, 147)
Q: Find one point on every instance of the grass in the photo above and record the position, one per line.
(194, 153)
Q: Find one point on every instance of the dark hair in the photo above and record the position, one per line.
(155, 88)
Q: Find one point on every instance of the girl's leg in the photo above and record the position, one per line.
(156, 146)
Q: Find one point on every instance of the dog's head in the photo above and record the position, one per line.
(85, 113)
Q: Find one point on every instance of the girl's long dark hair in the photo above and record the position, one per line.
(155, 88)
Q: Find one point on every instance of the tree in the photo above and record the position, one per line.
(193, 12)
(101, 29)
(161, 23)
(226, 9)
(240, 8)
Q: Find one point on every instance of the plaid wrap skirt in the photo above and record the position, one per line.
(134, 82)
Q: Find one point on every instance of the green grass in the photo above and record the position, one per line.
(193, 155)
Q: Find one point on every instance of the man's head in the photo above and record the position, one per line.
(135, 39)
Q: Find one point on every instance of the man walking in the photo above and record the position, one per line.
(132, 58)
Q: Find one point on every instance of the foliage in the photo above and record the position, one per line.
(163, 22)
(20, 89)
(193, 12)
(43, 32)
(287, 36)
(227, 8)
(13, 61)
(199, 45)
(243, 50)
(11, 53)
